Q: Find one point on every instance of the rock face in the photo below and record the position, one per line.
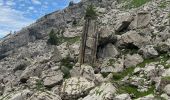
(126, 51)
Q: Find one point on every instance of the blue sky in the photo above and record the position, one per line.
(16, 14)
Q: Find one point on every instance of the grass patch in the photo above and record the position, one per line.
(164, 4)
(161, 59)
(119, 76)
(40, 85)
(105, 74)
(166, 78)
(135, 3)
(133, 90)
(71, 40)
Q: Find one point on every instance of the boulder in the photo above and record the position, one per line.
(132, 60)
(108, 51)
(24, 95)
(148, 51)
(132, 40)
(166, 73)
(104, 92)
(30, 71)
(167, 89)
(148, 97)
(44, 96)
(75, 87)
(112, 65)
(52, 78)
(87, 72)
(163, 47)
(74, 48)
(165, 97)
(123, 97)
(106, 36)
(141, 20)
(123, 22)
(64, 50)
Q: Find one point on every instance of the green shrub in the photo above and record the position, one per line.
(67, 65)
(121, 75)
(74, 23)
(91, 12)
(40, 85)
(53, 39)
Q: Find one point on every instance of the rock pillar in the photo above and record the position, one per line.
(89, 42)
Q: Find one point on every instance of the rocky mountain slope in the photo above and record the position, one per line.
(133, 54)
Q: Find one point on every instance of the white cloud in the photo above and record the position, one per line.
(31, 8)
(76, 1)
(10, 3)
(36, 2)
(1, 2)
(12, 20)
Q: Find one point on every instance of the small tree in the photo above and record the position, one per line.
(53, 39)
(91, 12)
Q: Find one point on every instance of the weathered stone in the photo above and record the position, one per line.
(24, 95)
(133, 60)
(44, 96)
(123, 22)
(64, 50)
(76, 87)
(104, 92)
(106, 36)
(87, 72)
(166, 73)
(148, 97)
(30, 71)
(165, 96)
(52, 78)
(167, 89)
(132, 39)
(123, 97)
(164, 47)
(141, 20)
(148, 51)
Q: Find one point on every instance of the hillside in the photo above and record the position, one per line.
(124, 55)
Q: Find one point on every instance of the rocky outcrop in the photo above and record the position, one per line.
(126, 54)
